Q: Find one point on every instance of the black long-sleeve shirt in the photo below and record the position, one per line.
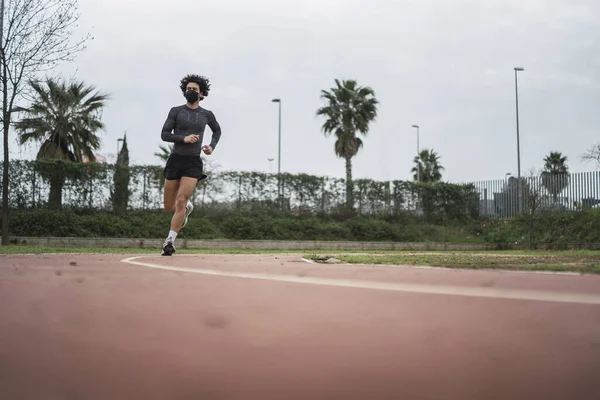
(183, 121)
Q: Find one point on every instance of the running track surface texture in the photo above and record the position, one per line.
(278, 327)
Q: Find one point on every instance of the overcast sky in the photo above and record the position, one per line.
(446, 65)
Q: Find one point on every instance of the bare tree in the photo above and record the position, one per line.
(535, 198)
(35, 38)
(592, 155)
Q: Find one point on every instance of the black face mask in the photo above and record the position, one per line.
(192, 96)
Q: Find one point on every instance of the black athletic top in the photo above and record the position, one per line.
(183, 121)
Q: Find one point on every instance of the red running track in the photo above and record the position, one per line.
(95, 327)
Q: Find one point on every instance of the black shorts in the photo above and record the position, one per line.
(178, 166)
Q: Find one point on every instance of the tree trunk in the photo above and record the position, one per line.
(349, 185)
(5, 182)
(121, 194)
(55, 197)
(6, 115)
(531, 234)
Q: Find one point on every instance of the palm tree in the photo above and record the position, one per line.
(64, 118)
(427, 166)
(164, 152)
(349, 111)
(555, 176)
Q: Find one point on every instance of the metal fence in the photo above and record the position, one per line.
(299, 193)
(506, 197)
(91, 187)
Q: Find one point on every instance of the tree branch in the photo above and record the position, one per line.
(37, 39)
(37, 36)
(592, 155)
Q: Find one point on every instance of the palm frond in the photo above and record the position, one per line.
(66, 115)
(349, 110)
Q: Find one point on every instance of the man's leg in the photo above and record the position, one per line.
(178, 200)
(186, 188)
(170, 195)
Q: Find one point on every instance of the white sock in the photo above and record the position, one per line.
(172, 235)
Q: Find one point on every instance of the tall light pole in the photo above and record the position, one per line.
(517, 70)
(278, 101)
(279, 137)
(418, 166)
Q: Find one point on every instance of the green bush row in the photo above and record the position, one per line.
(139, 187)
(548, 227)
(578, 227)
(227, 225)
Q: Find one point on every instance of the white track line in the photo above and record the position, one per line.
(497, 293)
(453, 269)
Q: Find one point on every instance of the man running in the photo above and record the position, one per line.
(184, 127)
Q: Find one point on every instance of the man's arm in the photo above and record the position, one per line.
(167, 130)
(215, 128)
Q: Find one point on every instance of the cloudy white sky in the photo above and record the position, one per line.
(446, 65)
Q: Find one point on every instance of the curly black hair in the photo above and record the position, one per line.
(202, 81)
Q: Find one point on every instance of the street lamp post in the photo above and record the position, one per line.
(418, 165)
(279, 137)
(278, 101)
(517, 70)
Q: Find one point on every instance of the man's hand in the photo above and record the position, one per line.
(207, 150)
(191, 138)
